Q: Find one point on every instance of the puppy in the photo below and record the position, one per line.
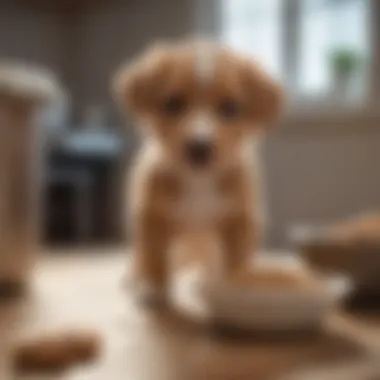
(200, 108)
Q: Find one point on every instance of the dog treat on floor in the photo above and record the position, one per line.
(85, 345)
(56, 353)
(47, 354)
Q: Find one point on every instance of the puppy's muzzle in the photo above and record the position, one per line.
(198, 153)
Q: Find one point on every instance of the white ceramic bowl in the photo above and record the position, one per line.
(271, 309)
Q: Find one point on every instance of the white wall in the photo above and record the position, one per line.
(107, 36)
(30, 34)
(85, 47)
(321, 174)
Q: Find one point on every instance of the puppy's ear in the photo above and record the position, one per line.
(133, 84)
(266, 96)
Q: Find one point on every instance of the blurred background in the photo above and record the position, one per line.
(320, 165)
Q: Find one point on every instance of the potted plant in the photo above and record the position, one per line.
(344, 65)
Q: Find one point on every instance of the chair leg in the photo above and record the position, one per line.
(84, 213)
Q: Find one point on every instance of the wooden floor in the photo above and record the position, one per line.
(84, 290)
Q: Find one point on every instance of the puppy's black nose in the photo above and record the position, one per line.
(198, 152)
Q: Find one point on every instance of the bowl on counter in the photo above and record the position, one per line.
(359, 259)
(264, 304)
(269, 305)
(284, 309)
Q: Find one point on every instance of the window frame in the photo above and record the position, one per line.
(208, 17)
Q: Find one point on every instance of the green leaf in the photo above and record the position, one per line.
(344, 60)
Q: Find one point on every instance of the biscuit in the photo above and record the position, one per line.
(56, 353)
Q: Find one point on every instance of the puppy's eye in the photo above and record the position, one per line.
(174, 105)
(229, 109)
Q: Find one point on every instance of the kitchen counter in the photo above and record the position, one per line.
(85, 290)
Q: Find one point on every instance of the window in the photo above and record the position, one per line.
(293, 38)
(254, 26)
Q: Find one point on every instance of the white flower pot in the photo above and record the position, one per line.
(342, 86)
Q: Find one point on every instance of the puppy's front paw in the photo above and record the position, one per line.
(128, 280)
(149, 295)
(195, 280)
